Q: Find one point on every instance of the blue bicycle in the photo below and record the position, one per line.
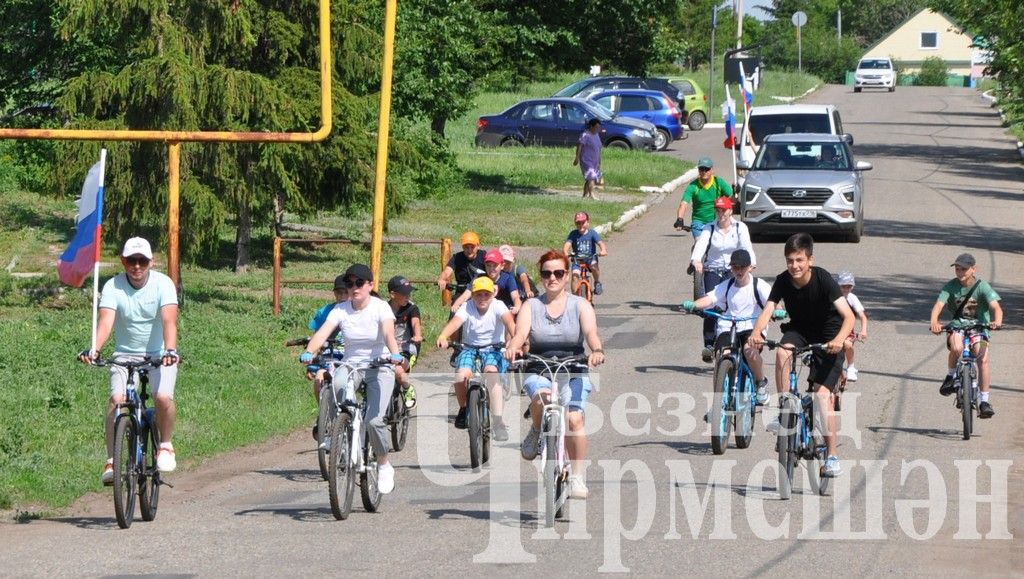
(966, 375)
(799, 437)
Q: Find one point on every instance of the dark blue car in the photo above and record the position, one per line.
(648, 105)
(556, 122)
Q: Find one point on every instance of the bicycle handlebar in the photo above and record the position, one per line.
(146, 362)
(949, 328)
(772, 344)
(722, 316)
(464, 346)
(297, 342)
(553, 360)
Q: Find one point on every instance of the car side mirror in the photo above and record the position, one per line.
(863, 166)
(743, 164)
(848, 138)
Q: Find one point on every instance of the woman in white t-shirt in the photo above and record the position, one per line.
(485, 321)
(368, 325)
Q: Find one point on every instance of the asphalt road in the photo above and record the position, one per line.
(914, 498)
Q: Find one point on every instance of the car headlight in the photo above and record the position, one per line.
(751, 192)
(847, 193)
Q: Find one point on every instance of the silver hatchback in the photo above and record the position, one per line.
(804, 182)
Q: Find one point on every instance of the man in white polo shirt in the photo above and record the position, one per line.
(141, 307)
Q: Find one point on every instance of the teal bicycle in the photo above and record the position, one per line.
(966, 376)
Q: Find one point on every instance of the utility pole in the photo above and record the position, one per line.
(711, 69)
(839, 26)
(739, 23)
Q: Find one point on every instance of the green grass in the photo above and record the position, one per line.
(786, 84)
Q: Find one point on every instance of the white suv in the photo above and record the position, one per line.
(793, 118)
(877, 72)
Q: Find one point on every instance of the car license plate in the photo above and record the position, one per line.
(798, 214)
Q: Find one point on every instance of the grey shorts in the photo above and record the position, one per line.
(161, 380)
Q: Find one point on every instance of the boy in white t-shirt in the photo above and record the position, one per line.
(846, 283)
(736, 296)
(484, 321)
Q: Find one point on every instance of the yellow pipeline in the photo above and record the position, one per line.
(383, 130)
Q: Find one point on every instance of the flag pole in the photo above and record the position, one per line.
(99, 244)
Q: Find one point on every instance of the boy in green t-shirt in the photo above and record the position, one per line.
(981, 307)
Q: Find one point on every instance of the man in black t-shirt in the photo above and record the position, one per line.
(819, 313)
(466, 265)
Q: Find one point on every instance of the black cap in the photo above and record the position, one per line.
(740, 258)
(339, 282)
(359, 271)
(964, 260)
(400, 285)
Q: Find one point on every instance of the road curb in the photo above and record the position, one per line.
(655, 195)
(987, 95)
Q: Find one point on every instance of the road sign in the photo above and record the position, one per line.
(799, 18)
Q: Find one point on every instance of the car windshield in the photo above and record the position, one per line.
(874, 64)
(803, 156)
(573, 88)
(599, 111)
(763, 125)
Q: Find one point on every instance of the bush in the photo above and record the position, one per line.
(934, 72)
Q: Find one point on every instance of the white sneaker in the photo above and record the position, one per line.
(774, 426)
(762, 392)
(577, 487)
(107, 478)
(165, 461)
(851, 374)
(385, 478)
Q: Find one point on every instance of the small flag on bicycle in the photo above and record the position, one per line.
(81, 257)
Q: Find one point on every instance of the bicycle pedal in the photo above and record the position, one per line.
(163, 483)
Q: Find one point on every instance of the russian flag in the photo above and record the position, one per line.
(746, 89)
(81, 257)
(729, 114)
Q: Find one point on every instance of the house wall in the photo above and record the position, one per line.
(904, 44)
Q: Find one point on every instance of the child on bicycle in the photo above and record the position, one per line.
(743, 296)
(585, 244)
(846, 283)
(340, 295)
(527, 289)
(505, 286)
(484, 321)
(408, 332)
(818, 313)
(971, 301)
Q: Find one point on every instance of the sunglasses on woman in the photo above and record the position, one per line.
(547, 273)
(354, 283)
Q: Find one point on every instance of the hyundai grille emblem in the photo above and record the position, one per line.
(799, 193)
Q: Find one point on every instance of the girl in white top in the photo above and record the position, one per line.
(485, 321)
(720, 239)
(846, 283)
(368, 325)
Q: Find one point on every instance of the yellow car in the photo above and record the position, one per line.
(695, 101)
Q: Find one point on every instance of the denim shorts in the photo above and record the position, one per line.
(467, 359)
(573, 394)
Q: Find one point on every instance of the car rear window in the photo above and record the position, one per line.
(763, 125)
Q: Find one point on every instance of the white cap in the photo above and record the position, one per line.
(845, 278)
(137, 246)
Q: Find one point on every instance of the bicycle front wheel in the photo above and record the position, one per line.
(552, 487)
(746, 405)
(787, 446)
(341, 475)
(721, 418)
(966, 399)
(475, 423)
(126, 470)
(149, 482)
(324, 428)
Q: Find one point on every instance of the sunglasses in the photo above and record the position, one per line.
(354, 283)
(143, 261)
(547, 273)
(703, 169)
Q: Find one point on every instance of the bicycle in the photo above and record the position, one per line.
(583, 287)
(798, 437)
(399, 413)
(966, 373)
(735, 398)
(328, 359)
(555, 464)
(478, 409)
(136, 441)
(351, 453)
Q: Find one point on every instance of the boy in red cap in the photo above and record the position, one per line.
(585, 244)
(505, 286)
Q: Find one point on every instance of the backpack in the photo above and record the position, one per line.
(757, 294)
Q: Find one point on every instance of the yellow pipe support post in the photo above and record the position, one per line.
(173, 203)
(175, 138)
(383, 129)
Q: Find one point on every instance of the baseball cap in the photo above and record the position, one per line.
(740, 257)
(469, 238)
(845, 278)
(964, 260)
(723, 203)
(139, 246)
(507, 253)
(339, 282)
(581, 216)
(400, 285)
(358, 271)
(483, 284)
(705, 162)
(493, 256)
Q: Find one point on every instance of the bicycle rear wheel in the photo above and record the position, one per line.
(368, 488)
(746, 405)
(126, 471)
(552, 486)
(400, 426)
(721, 419)
(341, 476)
(325, 428)
(786, 445)
(475, 423)
(149, 482)
(966, 399)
